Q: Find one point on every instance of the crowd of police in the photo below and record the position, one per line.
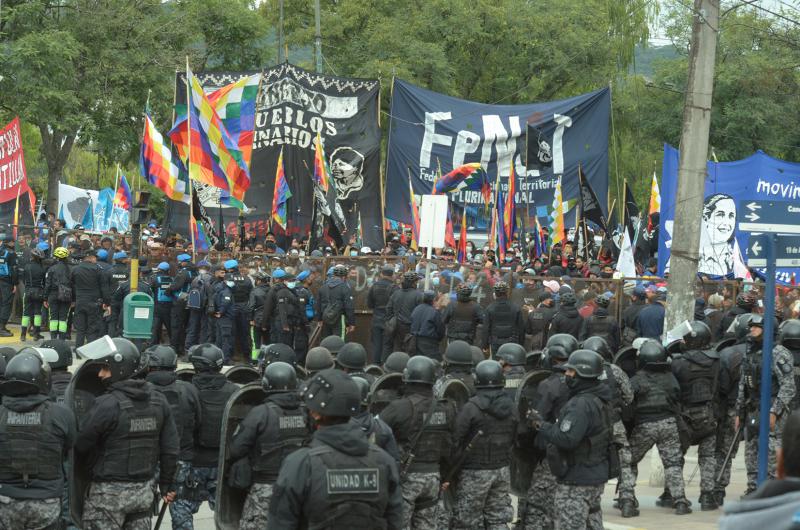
(463, 406)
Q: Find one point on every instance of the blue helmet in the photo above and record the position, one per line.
(163, 266)
(184, 257)
(303, 275)
(203, 263)
(278, 274)
(120, 255)
(330, 271)
(231, 264)
(43, 246)
(102, 254)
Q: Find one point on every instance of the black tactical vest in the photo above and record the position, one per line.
(653, 398)
(751, 371)
(347, 491)
(59, 383)
(593, 450)
(503, 322)
(29, 446)
(288, 308)
(381, 291)
(212, 407)
(600, 326)
(132, 448)
(492, 450)
(698, 388)
(435, 433)
(119, 274)
(286, 432)
(241, 289)
(462, 324)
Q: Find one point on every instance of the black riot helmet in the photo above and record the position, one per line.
(119, 355)
(7, 353)
(318, 358)
(278, 352)
(568, 299)
(206, 358)
(789, 334)
(333, 343)
(340, 270)
(458, 353)
(29, 372)
(352, 356)
(652, 353)
(561, 345)
(279, 377)
(741, 326)
(363, 387)
(489, 374)
(586, 363)
(463, 293)
(333, 393)
(396, 362)
(63, 350)
(699, 337)
(162, 357)
(500, 289)
(598, 345)
(477, 355)
(410, 279)
(511, 353)
(421, 369)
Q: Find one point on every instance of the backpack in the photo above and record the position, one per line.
(332, 314)
(195, 299)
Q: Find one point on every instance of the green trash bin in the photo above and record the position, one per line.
(137, 316)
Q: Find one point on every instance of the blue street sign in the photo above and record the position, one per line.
(787, 251)
(768, 241)
(769, 216)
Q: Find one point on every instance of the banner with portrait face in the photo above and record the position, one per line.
(293, 106)
(728, 186)
(544, 141)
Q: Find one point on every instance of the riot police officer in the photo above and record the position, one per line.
(580, 443)
(180, 291)
(748, 400)
(33, 275)
(511, 357)
(789, 338)
(352, 359)
(538, 321)
(268, 434)
(602, 324)
(457, 365)
(697, 372)
(300, 286)
(91, 297)
(240, 292)
(398, 313)
(362, 484)
(422, 425)
(105, 268)
(333, 343)
(58, 294)
(130, 433)
(60, 375)
(336, 303)
(318, 358)
(504, 322)
(255, 307)
(375, 428)
(214, 390)
(36, 436)
(377, 300)
(484, 431)
(115, 276)
(8, 281)
(396, 362)
(184, 401)
(567, 319)
(283, 313)
(656, 403)
(463, 316)
(164, 300)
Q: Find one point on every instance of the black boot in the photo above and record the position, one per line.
(628, 508)
(4, 332)
(37, 335)
(22, 334)
(719, 497)
(707, 502)
(682, 507)
(665, 500)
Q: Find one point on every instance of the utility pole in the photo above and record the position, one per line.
(280, 31)
(318, 37)
(692, 167)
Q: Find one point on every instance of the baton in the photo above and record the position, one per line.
(730, 451)
(161, 515)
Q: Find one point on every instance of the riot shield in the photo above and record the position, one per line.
(374, 370)
(80, 396)
(525, 458)
(242, 374)
(454, 390)
(185, 374)
(626, 359)
(384, 390)
(230, 501)
(724, 343)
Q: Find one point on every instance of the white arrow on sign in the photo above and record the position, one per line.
(753, 217)
(755, 249)
(753, 206)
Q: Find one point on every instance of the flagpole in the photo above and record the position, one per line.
(116, 187)
(144, 127)
(189, 154)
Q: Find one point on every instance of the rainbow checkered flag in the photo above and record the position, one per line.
(280, 194)
(557, 229)
(123, 199)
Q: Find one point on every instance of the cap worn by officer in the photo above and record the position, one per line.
(279, 377)
(120, 356)
(458, 353)
(333, 343)
(396, 362)
(332, 393)
(162, 357)
(231, 264)
(352, 356)
(586, 363)
(303, 275)
(184, 258)
(511, 353)
(278, 274)
(28, 372)
(163, 266)
(318, 358)
(421, 370)
(102, 254)
(121, 255)
(206, 358)
(62, 348)
(489, 374)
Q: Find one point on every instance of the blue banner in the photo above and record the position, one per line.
(730, 188)
(544, 140)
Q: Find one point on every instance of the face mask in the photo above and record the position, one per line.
(230, 283)
(571, 381)
(290, 285)
(353, 253)
(203, 271)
